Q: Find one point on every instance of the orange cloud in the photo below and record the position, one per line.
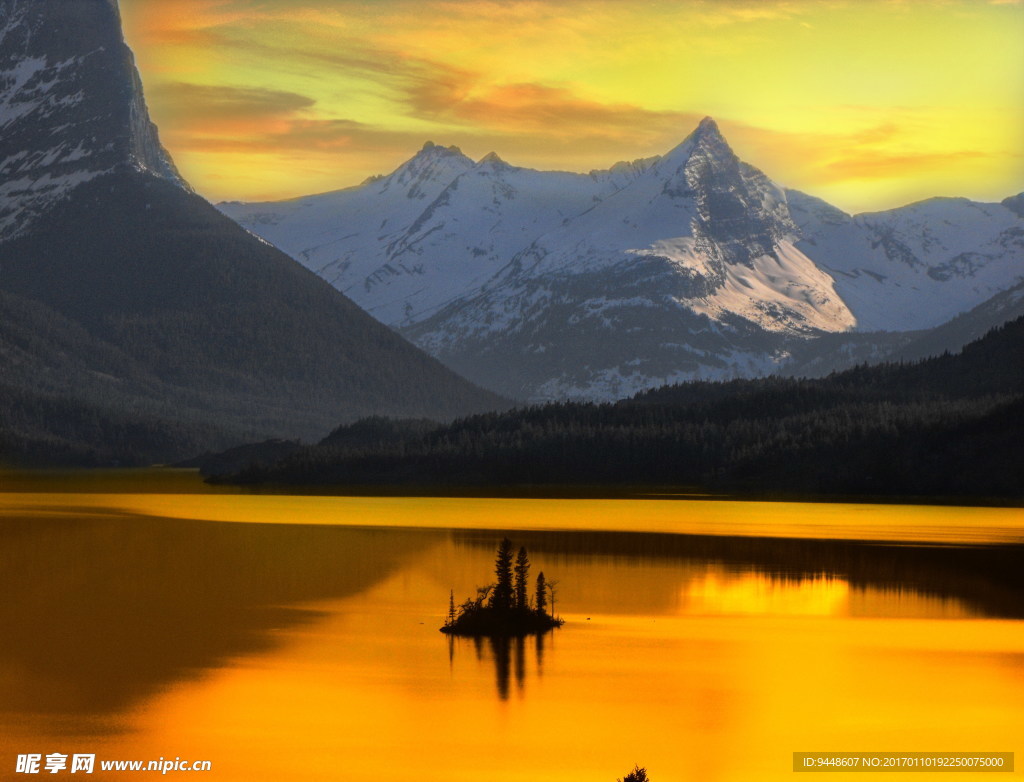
(346, 88)
(298, 135)
(879, 165)
(539, 108)
(198, 102)
(160, 18)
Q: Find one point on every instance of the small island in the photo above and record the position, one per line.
(506, 607)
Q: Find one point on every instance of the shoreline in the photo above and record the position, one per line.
(166, 479)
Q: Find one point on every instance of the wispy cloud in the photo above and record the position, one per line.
(539, 108)
(299, 135)
(880, 165)
(198, 102)
(349, 87)
(875, 152)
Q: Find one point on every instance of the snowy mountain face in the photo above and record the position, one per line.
(917, 266)
(360, 253)
(548, 285)
(405, 245)
(688, 271)
(71, 105)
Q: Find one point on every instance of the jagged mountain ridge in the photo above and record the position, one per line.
(692, 264)
(173, 328)
(688, 271)
(71, 106)
(438, 218)
(916, 266)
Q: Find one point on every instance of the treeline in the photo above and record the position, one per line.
(45, 429)
(948, 426)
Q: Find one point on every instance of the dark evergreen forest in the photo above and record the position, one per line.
(946, 427)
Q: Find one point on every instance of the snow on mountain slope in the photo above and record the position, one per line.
(837, 352)
(622, 174)
(71, 106)
(469, 232)
(688, 271)
(917, 266)
(343, 236)
(691, 264)
(448, 226)
(719, 225)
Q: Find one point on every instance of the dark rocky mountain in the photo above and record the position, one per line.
(132, 302)
(71, 105)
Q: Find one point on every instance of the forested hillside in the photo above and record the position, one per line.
(949, 426)
(142, 325)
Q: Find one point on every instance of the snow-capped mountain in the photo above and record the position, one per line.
(436, 229)
(917, 266)
(71, 106)
(837, 352)
(694, 264)
(690, 270)
(354, 256)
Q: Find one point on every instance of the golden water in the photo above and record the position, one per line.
(305, 646)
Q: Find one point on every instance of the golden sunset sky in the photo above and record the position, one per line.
(869, 104)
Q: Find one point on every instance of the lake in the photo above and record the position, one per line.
(296, 638)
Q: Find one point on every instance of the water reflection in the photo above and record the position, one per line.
(311, 652)
(510, 656)
(866, 578)
(101, 611)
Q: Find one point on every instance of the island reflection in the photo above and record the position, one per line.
(511, 657)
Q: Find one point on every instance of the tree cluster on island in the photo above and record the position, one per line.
(506, 607)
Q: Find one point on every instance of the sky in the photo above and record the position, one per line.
(869, 104)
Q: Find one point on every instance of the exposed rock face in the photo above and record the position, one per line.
(71, 105)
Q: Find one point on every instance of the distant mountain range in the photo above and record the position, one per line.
(546, 285)
(139, 324)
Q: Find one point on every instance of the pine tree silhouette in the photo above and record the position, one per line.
(522, 572)
(636, 775)
(501, 596)
(503, 609)
(542, 594)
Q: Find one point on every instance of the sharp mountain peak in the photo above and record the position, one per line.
(708, 126)
(547, 284)
(705, 140)
(492, 159)
(436, 150)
